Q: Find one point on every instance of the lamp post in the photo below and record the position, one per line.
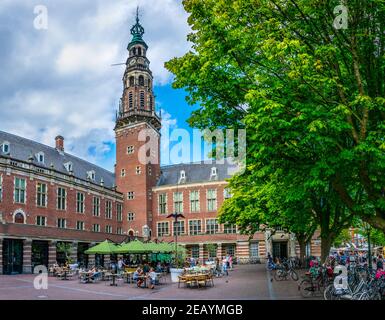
(175, 215)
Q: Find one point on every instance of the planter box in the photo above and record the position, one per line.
(175, 273)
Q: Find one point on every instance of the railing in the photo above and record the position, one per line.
(137, 112)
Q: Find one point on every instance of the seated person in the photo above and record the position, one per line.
(136, 277)
(158, 267)
(94, 273)
(152, 276)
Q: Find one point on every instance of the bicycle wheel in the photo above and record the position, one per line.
(328, 292)
(294, 275)
(306, 288)
(279, 275)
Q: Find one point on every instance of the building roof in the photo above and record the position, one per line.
(196, 172)
(24, 149)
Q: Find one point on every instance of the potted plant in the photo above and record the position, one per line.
(177, 267)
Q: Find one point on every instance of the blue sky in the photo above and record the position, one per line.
(59, 80)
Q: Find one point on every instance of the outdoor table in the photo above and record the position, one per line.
(128, 276)
(113, 279)
(64, 275)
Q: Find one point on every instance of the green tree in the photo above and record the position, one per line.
(310, 96)
(342, 238)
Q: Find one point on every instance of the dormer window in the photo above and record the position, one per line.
(5, 147)
(214, 173)
(182, 176)
(69, 167)
(91, 175)
(40, 157)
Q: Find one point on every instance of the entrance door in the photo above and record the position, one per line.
(280, 250)
(82, 257)
(12, 256)
(39, 253)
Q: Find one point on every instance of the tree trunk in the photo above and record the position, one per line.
(302, 251)
(326, 243)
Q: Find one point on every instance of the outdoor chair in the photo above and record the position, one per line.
(201, 280)
(210, 280)
(182, 279)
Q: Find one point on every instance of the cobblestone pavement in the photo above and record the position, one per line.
(245, 282)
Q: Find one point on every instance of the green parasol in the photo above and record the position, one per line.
(105, 247)
(135, 246)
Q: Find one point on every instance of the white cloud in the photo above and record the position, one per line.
(60, 80)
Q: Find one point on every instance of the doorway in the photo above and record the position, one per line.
(12, 256)
(280, 249)
(82, 257)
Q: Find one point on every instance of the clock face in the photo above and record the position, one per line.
(132, 61)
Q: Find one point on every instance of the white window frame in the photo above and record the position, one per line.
(180, 223)
(178, 201)
(82, 225)
(130, 216)
(196, 201)
(96, 206)
(40, 218)
(214, 200)
(59, 198)
(43, 195)
(193, 233)
(5, 145)
(216, 226)
(163, 234)
(108, 209)
(59, 225)
(21, 190)
(82, 202)
(40, 157)
(162, 203)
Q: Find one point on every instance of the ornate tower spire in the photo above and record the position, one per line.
(138, 100)
(137, 32)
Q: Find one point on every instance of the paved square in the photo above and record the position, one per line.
(245, 282)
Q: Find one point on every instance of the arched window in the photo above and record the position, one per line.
(19, 218)
(130, 101)
(132, 81)
(131, 233)
(134, 51)
(141, 99)
(140, 51)
(141, 81)
(150, 102)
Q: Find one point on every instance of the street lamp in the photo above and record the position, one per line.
(175, 215)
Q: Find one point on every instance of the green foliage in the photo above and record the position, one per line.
(65, 248)
(343, 238)
(311, 97)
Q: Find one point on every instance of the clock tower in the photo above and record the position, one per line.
(137, 139)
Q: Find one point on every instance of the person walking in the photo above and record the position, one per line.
(121, 265)
(224, 266)
(231, 262)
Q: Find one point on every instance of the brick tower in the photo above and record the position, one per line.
(137, 139)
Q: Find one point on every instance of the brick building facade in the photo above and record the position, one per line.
(49, 197)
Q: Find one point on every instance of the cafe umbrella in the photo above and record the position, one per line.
(105, 247)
